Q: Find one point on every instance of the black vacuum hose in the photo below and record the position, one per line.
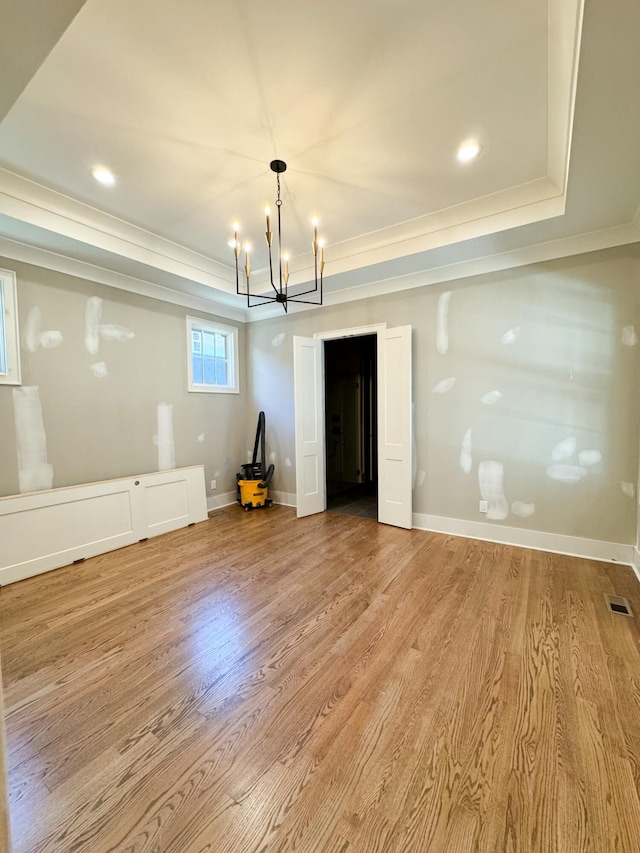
(265, 483)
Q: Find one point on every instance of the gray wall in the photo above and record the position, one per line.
(567, 375)
(100, 428)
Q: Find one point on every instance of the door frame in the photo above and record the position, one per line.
(354, 332)
(377, 329)
(394, 453)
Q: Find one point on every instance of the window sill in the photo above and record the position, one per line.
(212, 389)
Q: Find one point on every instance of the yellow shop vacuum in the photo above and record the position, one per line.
(254, 477)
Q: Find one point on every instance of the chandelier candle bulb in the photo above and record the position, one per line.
(285, 258)
(267, 213)
(314, 222)
(247, 265)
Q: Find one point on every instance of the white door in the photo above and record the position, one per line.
(394, 427)
(308, 385)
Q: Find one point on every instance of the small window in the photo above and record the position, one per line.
(9, 348)
(212, 356)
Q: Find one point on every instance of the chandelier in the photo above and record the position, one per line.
(280, 286)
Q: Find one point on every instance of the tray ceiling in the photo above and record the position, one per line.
(367, 102)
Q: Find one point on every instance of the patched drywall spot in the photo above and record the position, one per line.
(94, 329)
(272, 457)
(287, 462)
(511, 336)
(31, 331)
(92, 316)
(33, 337)
(564, 449)
(444, 385)
(50, 339)
(111, 332)
(491, 481)
(567, 473)
(442, 323)
(466, 460)
(589, 457)
(166, 443)
(200, 438)
(99, 369)
(629, 337)
(490, 398)
(421, 477)
(522, 509)
(279, 339)
(34, 471)
(628, 489)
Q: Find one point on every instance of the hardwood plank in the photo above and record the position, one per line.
(5, 841)
(325, 685)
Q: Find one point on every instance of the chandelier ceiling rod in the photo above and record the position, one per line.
(281, 289)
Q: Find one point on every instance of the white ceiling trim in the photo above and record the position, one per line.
(33, 204)
(580, 244)
(16, 251)
(575, 245)
(565, 35)
(531, 203)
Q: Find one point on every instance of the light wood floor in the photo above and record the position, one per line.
(328, 685)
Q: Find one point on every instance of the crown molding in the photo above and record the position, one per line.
(537, 253)
(564, 42)
(34, 205)
(621, 235)
(13, 250)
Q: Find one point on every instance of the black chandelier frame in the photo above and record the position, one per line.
(281, 293)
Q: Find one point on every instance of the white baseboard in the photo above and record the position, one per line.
(228, 498)
(218, 501)
(284, 498)
(635, 562)
(556, 543)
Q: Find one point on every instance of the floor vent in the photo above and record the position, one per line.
(618, 605)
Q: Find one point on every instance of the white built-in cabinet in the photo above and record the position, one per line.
(45, 530)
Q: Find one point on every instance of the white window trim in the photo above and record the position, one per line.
(232, 333)
(12, 335)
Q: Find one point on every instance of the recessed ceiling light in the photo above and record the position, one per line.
(469, 150)
(103, 175)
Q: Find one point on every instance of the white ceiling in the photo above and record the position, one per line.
(187, 102)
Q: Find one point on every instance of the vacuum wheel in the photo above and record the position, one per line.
(248, 506)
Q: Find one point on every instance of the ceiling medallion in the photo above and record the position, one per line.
(280, 286)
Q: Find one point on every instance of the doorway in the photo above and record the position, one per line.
(393, 392)
(351, 428)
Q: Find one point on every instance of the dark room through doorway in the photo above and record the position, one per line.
(351, 444)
